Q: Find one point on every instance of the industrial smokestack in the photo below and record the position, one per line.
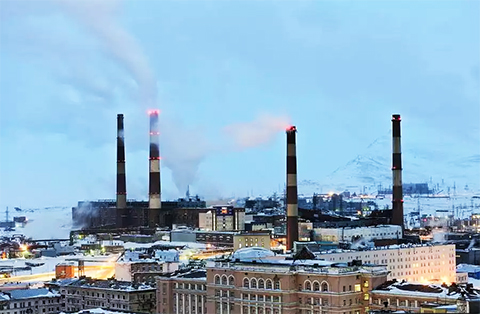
(397, 198)
(155, 202)
(292, 193)
(121, 180)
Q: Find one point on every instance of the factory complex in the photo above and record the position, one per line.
(332, 253)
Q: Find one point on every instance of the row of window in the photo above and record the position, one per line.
(253, 283)
(315, 286)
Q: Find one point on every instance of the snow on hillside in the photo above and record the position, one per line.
(425, 160)
(44, 223)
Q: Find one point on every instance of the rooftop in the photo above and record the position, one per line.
(104, 284)
(388, 247)
(29, 294)
(98, 311)
(436, 291)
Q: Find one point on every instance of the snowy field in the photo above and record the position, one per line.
(44, 223)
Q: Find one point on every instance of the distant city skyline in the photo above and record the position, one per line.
(228, 76)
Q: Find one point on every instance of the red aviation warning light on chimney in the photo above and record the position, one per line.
(154, 191)
(397, 192)
(292, 191)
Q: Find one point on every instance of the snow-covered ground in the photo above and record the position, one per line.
(191, 245)
(44, 223)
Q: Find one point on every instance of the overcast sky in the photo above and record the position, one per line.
(227, 77)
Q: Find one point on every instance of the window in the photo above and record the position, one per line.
(365, 283)
(358, 288)
(277, 284)
(316, 286)
(308, 285)
(224, 280)
(253, 283)
(324, 286)
(366, 297)
(261, 284)
(246, 283)
(269, 284)
(231, 280)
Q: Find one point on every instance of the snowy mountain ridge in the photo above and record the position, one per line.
(446, 165)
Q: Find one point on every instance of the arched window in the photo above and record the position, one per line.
(217, 279)
(277, 284)
(308, 285)
(231, 280)
(261, 284)
(253, 283)
(269, 284)
(324, 286)
(224, 280)
(316, 286)
(246, 283)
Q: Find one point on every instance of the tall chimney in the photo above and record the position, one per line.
(292, 195)
(122, 211)
(397, 198)
(154, 202)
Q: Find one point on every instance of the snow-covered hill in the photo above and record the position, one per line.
(445, 162)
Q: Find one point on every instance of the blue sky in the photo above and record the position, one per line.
(336, 69)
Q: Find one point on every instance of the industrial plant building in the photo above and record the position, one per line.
(124, 214)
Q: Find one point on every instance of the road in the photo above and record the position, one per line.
(95, 271)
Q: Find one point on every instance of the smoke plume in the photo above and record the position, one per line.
(100, 17)
(257, 132)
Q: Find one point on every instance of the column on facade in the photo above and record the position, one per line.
(177, 303)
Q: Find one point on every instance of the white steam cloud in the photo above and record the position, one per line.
(182, 149)
(100, 17)
(257, 132)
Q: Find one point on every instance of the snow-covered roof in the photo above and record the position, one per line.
(467, 268)
(97, 311)
(105, 284)
(30, 293)
(251, 253)
(425, 290)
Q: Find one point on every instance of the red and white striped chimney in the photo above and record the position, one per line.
(292, 191)
(397, 191)
(122, 211)
(154, 201)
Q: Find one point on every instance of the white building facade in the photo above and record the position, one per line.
(422, 263)
(349, 234)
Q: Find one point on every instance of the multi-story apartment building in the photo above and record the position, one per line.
(142, 270)
(413, 263)
(253, 281)
(88, 293)
(186, 292)
(222, 218)
(251, 239)
(31, 301)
